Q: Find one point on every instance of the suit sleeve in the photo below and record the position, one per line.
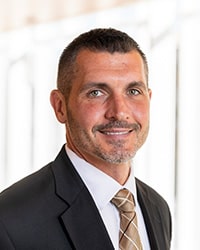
(5, 241)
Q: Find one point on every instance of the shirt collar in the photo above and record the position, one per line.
(101, 186)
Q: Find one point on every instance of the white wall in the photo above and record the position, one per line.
(31, 137)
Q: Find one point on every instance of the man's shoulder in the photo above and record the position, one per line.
(155, 206)
(150, 193)
(26, 188)
(31, 184)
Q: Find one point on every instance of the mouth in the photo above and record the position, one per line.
(117, 129)
(115, 132)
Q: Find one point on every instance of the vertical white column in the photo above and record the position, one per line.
(18, 123)
(188, 184)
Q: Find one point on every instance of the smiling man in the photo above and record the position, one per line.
(103, 99)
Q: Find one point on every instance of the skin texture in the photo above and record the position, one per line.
(107, 114)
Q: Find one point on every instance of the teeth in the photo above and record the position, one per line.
(116, 133)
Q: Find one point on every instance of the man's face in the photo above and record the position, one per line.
(108, 107)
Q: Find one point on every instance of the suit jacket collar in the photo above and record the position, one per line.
(81, 219)
(152, 218)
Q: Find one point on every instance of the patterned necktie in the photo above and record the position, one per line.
(129, 238)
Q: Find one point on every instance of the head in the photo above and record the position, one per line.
(96, 40)
(103, 97)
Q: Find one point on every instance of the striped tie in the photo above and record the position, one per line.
(129, 238)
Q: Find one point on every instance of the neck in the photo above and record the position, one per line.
(118, 171)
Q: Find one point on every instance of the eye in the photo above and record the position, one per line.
(133, 92)
(95, 93)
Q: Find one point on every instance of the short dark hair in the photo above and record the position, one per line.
(97, 40)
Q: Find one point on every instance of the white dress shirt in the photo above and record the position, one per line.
(102, 189)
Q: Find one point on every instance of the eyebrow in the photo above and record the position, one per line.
(102, 85)
(138, 84)
(99, 85)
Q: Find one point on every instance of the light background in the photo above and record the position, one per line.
(31, 40)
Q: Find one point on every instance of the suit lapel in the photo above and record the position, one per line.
(81, 219)
(152, 219)
(84, 224)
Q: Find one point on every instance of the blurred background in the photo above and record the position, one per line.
(33, 33)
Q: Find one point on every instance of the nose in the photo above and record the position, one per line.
(117, 109)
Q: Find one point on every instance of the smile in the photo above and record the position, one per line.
(116, 132)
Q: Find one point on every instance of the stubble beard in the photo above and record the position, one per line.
(118, 153)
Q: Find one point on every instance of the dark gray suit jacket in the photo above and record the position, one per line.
(53, 210)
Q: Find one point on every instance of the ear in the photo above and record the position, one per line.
(150, 93)
(58, 103)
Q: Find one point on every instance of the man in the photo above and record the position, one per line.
(103, 100)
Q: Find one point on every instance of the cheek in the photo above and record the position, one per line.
(89, 115)
(141, 113)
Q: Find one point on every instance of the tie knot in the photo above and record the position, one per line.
(124, 201)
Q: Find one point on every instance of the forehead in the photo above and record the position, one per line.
(89, 62)
(112, 59)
